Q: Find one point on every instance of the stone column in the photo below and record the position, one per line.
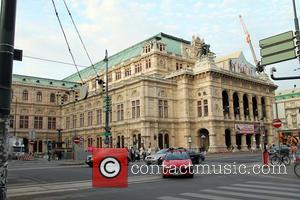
(231, 112)
(250, 108)
(244, 146)
(268, 109)
(241, 105)
(233, 141)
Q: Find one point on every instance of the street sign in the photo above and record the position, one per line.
(106, 134)
(277, 123)
(278, 48)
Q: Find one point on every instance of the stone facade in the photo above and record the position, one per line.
(165, 92)
(287, 107)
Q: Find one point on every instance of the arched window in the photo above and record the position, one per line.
(25, 95)
(38, 96)
(52, 98)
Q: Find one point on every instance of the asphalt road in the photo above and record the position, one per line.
(54, 181)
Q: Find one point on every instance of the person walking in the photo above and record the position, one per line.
(132, 154)
(149, 150)
(142, 152)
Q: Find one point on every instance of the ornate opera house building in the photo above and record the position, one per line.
(165, 91)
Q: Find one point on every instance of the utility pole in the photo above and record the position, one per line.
(7, 37)
(107, 102)
(297, 33)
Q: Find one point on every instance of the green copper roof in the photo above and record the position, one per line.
(173, 45)
(289, 95)
(37, 81)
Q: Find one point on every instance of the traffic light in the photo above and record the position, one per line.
(62, 100)
(76, 95)
(107, 104)
(102, 84)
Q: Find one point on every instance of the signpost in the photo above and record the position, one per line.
(278, 48)
(277, 123)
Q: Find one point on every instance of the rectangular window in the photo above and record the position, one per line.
(11, 121)
(67, 122)
(137, 68)
(51, 123)
(148, 63)
(90, 118)
(120, 112)
(205, 102)
(118, 75)
(24, 121)
(81, 120)
(135, 109)
(109, 78)
(127, 72)
(110, 116)
(165, 108)
(160, 109)
(38, 122)
(199, 108)
(74, 121)
(99, 116)
(137, 103)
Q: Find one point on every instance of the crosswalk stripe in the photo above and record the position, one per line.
(272, 183)
(267, 187)
(207, 196)
(262, 191)
(170, 198)
(245, 195)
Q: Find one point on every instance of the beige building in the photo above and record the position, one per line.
(165, 92)
(287, 106)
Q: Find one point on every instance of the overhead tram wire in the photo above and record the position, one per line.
(66, 40)
(50, 60)
(80, 38)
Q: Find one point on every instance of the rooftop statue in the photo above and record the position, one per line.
(200, 48)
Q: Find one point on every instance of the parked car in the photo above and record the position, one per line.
(89, 160)
(156, 158)
(196, 158)
(177, 163)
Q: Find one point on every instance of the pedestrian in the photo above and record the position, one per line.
(293, 151)
(142, 152)
(49, 156)
(149, 150)
(132, 154)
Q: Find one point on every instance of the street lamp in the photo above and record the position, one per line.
(203, 138)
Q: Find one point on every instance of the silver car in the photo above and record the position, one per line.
(156, 158)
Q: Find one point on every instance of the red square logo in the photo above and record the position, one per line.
(110, 167)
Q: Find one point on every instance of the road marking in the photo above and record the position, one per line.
(245, 195)
(37, 168)
(267, 187)
(170, 198)
(206, 196)
(282, 193)
(278, 184)
(15, 191)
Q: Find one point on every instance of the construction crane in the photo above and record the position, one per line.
(248, 40)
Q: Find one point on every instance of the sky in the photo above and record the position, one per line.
(117, 24)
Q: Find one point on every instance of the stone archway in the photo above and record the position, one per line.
(163, 140)
(228, 138)
(160, 141)
(204, 139)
